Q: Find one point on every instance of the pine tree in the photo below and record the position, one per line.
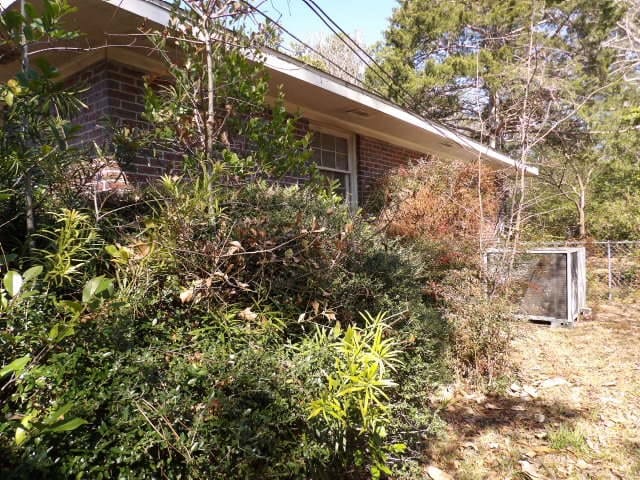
(463, 62)
(532, 78)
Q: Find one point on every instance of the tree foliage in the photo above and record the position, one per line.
(336, 55)
(539, 80)
(213, 105)
(35, 152)
(465, 62)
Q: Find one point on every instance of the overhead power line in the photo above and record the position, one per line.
(301, 42)
(394, 85)
(373, 65)
(376, 68)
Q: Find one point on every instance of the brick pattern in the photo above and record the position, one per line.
(115, 93)
(376, 158)
(94, 80)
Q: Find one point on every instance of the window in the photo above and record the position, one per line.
(332, 153)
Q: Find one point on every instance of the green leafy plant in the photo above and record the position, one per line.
(354, 407)
(36, 154)
(24, 375)
(71, 244)
(16, 287)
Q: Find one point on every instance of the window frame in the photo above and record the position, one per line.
(352, 201)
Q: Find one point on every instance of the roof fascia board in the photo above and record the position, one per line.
(331, 121)
(343, 89)
(155, 10)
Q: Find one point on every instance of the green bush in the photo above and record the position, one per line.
(38, 327)
(353, 408)
(204, 363)
(204, 360)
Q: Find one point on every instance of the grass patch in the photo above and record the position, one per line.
(565, 437)
(472, 469)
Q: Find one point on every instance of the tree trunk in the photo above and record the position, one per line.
(28, 179)
(582, 220)
(493, 121)
(210, 128)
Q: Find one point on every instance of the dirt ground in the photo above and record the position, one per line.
(571, 411)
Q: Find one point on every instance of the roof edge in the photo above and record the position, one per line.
(283, 63)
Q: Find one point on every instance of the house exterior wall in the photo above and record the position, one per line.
(376, 158)
(115, 94)
(94, 79)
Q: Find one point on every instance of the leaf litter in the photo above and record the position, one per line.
(570, 412)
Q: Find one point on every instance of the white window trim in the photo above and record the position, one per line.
(352, 160)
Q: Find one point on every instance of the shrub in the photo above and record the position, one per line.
(38, 326)
(449, 205)
(205, 365)
(480, 326)
(444, 211)
(353, 408)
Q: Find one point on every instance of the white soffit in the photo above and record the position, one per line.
(456, 145)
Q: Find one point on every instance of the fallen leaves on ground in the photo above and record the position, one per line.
(572, 412)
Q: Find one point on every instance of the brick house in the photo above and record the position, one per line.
(358, 136)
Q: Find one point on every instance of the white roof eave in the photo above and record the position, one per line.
(281, 63)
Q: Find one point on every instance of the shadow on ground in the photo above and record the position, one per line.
(469, 419)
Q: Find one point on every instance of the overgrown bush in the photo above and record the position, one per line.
(448, 212)
(232, 344)
(481, 327)
(204, 363)
(451, 205)
(39, 320)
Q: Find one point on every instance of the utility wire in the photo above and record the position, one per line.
(321, 55)
(300, 41)
(344, 36)
(391, 83)
(324, 57)
(434, 123)
(321, 14)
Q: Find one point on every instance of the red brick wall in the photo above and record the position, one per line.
(115, 95)
(376, 158)
(94, 79)
(116, 92)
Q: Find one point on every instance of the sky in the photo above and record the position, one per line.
(367, 17)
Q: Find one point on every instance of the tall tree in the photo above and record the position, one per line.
(517, 74)
(335, 54)
(215, 96)
(464, 62)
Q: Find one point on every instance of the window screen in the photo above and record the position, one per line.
(331, 154)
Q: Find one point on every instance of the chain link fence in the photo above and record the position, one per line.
(613, 267)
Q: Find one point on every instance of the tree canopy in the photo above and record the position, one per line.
(536, 79)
